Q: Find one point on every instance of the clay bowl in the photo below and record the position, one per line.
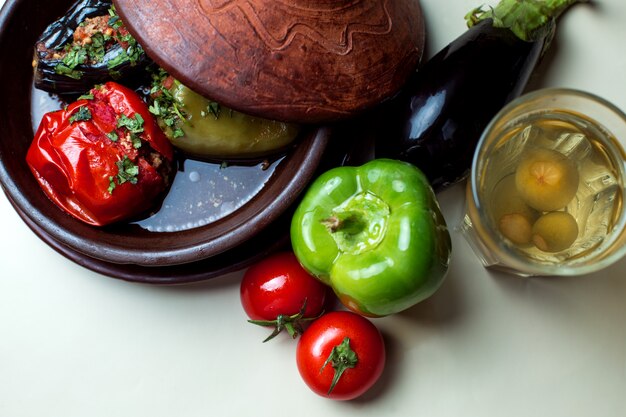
(294, 60)
(272, 238)
(21, 22)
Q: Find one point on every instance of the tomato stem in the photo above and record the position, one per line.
(341, 358)
(294, 324)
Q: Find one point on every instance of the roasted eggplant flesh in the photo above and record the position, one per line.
(89, 45)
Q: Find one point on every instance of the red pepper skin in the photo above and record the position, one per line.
(75, 161)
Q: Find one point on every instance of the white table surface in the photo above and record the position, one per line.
(74, 343)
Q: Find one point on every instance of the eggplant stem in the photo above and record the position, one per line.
(529, 20)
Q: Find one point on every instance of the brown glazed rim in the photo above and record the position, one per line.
(232, 260)
(21, 22)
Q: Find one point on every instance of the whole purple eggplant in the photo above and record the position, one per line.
(437, 121)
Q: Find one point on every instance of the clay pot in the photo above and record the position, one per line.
(294, 60)
(211, 245)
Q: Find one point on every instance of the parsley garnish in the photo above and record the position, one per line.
(127, 171)
(166, 107)
(114, 20)
(113, 136)
(82, 114)
(94, 52)
(136, 141)
(111, 185)
(96, 49)
(133, 124)
(63, 69)
(88, 96)
(75, 55)
(132, 52)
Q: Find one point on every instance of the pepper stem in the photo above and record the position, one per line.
(359, 224)
(347, 222)
(527, 19)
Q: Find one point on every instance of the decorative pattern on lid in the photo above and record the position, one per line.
(294, 60)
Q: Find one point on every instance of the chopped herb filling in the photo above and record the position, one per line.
(127, 171)
(132, 124)
(92, 39)
(169, 110)
(82, 114)
(113, 136)
(165, 106)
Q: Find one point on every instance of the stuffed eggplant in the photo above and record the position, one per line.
(89, 45)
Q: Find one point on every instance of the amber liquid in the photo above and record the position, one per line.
(598, 199)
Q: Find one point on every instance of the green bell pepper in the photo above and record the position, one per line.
(229, 134)
(203, 128)
(375, 234)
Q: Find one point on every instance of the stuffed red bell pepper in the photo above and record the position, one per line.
(103, 158)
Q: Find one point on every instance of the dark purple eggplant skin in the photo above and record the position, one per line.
(437, 120)
(60, 31)
(58, 34)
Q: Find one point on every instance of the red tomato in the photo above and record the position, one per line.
(274, 291)
(345, 346)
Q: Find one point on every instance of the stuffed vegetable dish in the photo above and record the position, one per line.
(110, 153)
(169, 133)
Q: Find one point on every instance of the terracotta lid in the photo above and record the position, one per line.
(306, 61)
